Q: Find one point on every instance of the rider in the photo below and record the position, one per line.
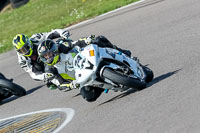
(60, 64)
(27, 51)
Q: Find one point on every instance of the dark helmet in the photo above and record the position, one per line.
(48, 52)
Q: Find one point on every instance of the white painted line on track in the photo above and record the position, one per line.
(68, 111)
(70, 114)
(118, 9)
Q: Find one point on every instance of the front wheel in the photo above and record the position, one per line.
(122, 79)
(12, 87)
(149, 74)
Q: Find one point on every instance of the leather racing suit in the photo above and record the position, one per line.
(32, 64)
(64, 75)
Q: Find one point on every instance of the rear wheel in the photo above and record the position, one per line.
(2, 76)
(122, 79)
(12, 87)
(18, 3)
(4, 95)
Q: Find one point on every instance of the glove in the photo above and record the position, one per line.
(90, 38)
(65, 34)
(37, 37)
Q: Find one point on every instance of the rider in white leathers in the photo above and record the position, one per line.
(27, 51)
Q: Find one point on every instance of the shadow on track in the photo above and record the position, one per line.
(33, 89)
(162, 77)
(133, 90)
(12, 98)
(79, 94)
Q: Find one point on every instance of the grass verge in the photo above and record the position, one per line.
(44, 15)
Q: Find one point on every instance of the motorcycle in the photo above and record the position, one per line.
(8, 88)
(109, 69)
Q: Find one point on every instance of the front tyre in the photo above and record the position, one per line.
(149, 74)
(90, 93)
(122, 79)
(12, 87)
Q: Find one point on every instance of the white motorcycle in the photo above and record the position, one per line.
(109, 69)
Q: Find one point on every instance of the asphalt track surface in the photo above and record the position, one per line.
(165, 35)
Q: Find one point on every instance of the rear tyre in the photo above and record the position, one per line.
(12, 87)
(4, 96)
(2, 76)
(18, 3)
(123, 79)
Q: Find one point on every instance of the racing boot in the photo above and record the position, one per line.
(66, 86)
(102, 41)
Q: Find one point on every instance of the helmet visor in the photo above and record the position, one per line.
(48, 55)
(25, 49)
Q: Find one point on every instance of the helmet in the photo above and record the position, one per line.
(23, 45)
(48, 52)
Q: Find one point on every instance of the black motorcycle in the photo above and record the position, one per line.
(8, 88)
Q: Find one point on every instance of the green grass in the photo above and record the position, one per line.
(44, 15)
